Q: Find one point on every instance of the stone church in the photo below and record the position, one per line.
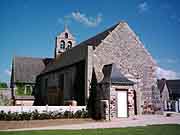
(116, 58)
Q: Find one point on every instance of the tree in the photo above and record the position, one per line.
(3, 85)
(92, 106)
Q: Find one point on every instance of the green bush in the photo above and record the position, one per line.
(3, 85)
(35, 115)
(2, 115)
(81, 114)
(15, 116)
(68, 114)
(78, 114)
(26, 116)
(43, 116)
(84, 114)
(8, 116)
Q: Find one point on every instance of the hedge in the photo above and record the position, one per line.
(35, 115)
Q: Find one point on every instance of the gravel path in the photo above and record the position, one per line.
(122, 122)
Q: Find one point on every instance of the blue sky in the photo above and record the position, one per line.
(29, 27)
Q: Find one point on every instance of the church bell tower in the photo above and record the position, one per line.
(64, 41)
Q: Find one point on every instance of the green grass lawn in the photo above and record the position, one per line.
(148, 130)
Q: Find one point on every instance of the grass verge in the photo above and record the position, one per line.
(148, 130)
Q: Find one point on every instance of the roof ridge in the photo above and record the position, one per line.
(106, 32)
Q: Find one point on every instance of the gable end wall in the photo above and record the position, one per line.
(123, 48)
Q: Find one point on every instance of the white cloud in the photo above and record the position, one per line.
(167, 74)
(8, 72)
(143, 7)
(81, 18)
(86, 20)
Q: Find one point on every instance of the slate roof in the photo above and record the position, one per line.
(172, 85)
(93, 41)
(118, 77)
(96, 40)
(25, 69)
(160, 84)
(113, 74)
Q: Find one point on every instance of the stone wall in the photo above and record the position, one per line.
(66, 65)
(113, 100)
(131, 102)
(6, 92)
(124, 48)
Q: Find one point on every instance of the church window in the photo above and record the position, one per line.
(69, 45)
(62, 44)
(66, 35)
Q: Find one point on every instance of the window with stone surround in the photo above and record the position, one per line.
(66, 35)
(62, 44)
(69, 45)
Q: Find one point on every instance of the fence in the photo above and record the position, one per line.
(41, 109)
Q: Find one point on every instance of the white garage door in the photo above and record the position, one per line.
(122, 104)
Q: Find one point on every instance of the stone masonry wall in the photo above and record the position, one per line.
(123, 48)
(113, 100)
(67, 59)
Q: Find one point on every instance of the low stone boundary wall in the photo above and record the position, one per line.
(41, 109)
(5, 92)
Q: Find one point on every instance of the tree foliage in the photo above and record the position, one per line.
(92, 106)
(3, 85)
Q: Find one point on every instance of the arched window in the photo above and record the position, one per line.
(66, 35)
(62, 44)
(69, 45)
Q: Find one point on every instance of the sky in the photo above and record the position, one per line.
(29, 27)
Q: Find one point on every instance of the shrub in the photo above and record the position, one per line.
(3, 85)
(15, 116)
(43, 116)
(78, 114)
(68, 114)
(2, 115)
(84, 114)
(8, 116)
(35, 115)
(26, 116)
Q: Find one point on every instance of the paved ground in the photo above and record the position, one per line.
(122, 122)
(4, 125)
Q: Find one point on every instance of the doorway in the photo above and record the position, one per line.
(122, 103)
